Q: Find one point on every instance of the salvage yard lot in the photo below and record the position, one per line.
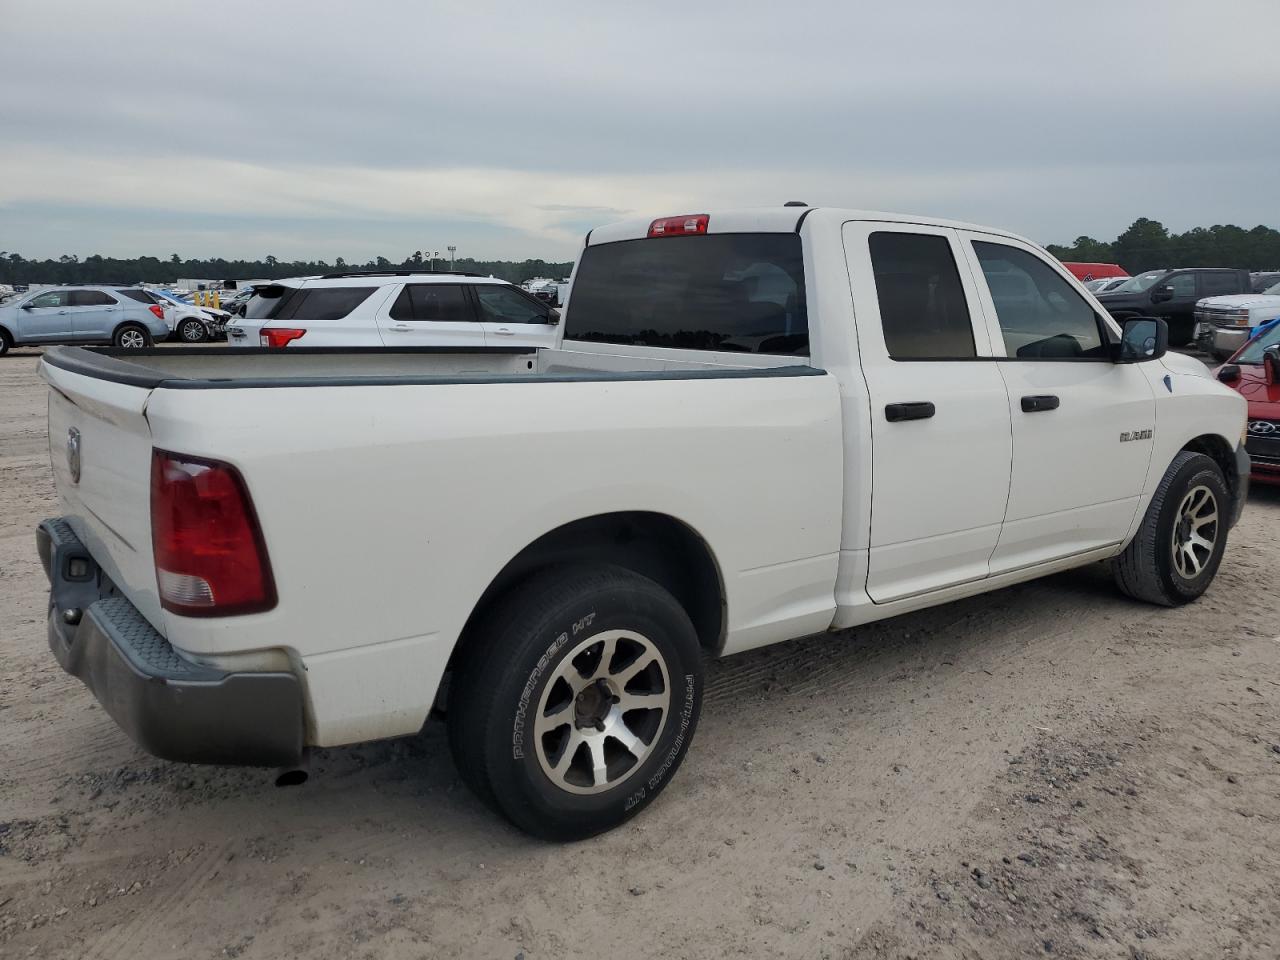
(1047, 770)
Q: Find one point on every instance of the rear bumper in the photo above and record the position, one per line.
(171, 706)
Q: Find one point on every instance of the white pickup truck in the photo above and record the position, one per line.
(755, 425)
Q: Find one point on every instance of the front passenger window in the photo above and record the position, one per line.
(1184, 286)
(1041, 315)
(53, 298)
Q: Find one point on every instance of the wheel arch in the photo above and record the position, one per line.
(1217, 449)
(4, 329)
(655, 545)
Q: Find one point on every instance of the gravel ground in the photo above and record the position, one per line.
(1049, 770)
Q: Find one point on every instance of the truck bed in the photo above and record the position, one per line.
(245, 368)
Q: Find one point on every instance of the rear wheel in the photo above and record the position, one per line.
(1177, 550)
(131, 337)
(191, 330)
(5, 342)
(578, 700)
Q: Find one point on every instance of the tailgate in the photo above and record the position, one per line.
(100, 450)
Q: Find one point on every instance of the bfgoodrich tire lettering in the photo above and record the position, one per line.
(1166, 562)
(577, 701)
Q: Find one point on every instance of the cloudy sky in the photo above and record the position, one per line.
(321, 129)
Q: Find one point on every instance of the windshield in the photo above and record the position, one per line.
(728, 291)
(1140, 283)
(1253, 352)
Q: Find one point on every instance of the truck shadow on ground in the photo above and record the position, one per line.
(411, 782)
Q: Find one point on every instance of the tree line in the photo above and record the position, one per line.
(14, 268)
(1145, 245)
(1148, 245)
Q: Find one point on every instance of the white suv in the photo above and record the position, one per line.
(394, 309)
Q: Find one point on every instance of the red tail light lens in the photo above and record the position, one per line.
(278, 336)
(157, 310)
(209, 555)
(689, 224)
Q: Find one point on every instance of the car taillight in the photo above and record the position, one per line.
(679, 226)
(209, 555)
(278, 336)
(157, 310)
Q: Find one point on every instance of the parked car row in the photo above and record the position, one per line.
(122, 316)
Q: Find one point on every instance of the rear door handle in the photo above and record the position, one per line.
(401, 328)
(504, 332)
(914, 410)
(1039, 402)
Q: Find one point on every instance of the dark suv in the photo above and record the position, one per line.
(1172, 294)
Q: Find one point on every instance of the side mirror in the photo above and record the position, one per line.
(1143, 339)
(553, 317)
(1271, 361)
(1161, 294)
(1229, 373)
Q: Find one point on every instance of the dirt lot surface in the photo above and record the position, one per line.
(1050, 770)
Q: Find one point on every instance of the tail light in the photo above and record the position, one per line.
(157, 310)
(687, 225)
(209, 555)
(278, 336)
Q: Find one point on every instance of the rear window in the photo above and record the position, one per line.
(731, 291)
(139, 295)
(324, 303)
(268, 301)
(1219, 284)
(91, 298)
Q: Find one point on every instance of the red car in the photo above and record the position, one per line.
(1254, 372)
(1095, 271)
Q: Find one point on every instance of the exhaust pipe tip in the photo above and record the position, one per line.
(296, 775)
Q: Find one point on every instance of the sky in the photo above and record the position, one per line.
(317, 130)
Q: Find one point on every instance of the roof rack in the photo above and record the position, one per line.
(396, 273)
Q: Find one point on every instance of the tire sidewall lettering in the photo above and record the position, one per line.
(532, 684)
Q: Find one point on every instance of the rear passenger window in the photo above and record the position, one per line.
(1219, 284)
(922, 307)
(1041, 315)
(432, 302)
(91, 298)
(324, 303)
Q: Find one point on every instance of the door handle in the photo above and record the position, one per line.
(1040, 402)
(401, 328)
(915, 410)
(504, 332)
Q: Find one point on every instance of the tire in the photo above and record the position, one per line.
(1161, 564)
(131, 336)
(529, 747)
(1181, 334)
(191, 330)
(5, 341)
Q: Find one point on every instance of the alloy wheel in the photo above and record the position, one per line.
(1195, 532)
(602, 711)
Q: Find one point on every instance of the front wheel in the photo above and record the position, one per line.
(1177, 550)
(191, 331)
(577, 701)
(132, 337)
